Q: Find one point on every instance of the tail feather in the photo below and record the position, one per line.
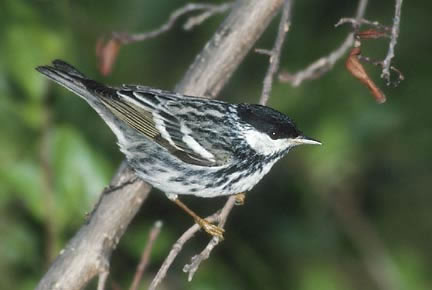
(64, 66)
(69, 77)
(90, 90)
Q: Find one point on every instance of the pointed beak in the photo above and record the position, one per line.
(306, 140)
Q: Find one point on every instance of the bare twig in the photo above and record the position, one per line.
(263, 51)
(357, 22)
(394, 35)
(210, 9)
(175, 250)
(145, 257)
(274, 54)
(326, 63)
(107, 50)
(205, 254)
(198, 19)
(380, 63)
(103, 277)
(220, 216)
(318, 67)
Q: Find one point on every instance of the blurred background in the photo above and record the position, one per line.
(354, 213)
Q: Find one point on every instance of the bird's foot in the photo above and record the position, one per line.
(240, 198)
(210, 228)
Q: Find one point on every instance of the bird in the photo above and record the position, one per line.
(186, 145)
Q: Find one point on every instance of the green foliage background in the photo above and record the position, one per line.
(354, 213)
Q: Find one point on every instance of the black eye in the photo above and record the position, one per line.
(274, 134)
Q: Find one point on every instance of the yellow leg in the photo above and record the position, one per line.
(240, 198)
(204, 224)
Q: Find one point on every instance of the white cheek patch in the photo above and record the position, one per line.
(263, 144)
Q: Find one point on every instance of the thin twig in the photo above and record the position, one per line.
(145, 257)
(357, 22)
(380, 63)
(394, 35)
(198, 19)
(318, 67)
(175, 250)
(210, 9)
(220, 216)
(274, 58)
(326, 63)
(102, 280)
(205, 254)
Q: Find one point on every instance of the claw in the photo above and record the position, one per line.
(210, 228)
(240, 198)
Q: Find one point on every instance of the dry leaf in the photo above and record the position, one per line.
(107, 54)
(354, 66)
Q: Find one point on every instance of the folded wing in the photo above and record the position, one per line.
(185, 126)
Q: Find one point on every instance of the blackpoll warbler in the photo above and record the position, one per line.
(187, 145)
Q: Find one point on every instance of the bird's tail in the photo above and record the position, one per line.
(69, 77)
(90, 90)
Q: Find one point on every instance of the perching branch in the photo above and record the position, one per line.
(326, 63)
(205, 254)
(274, 54)
(219, 216)
(88, 253)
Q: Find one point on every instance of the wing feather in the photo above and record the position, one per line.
(150, 112)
